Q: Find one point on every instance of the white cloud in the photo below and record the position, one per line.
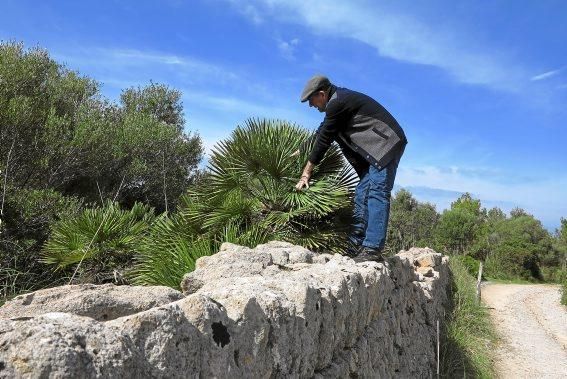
(227, 104)
(287, 49)
(543, 198)
(397, 36)
(547, 75)
(250, 11)
(120, 68)
(132, 65)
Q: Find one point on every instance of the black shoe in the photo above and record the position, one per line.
(352, 250)
(368, 254)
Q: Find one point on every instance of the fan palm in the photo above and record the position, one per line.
(100, 240)
(252, 179)
(248, 196)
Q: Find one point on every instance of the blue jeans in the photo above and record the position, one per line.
(372, 206)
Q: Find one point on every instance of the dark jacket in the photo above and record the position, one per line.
(364, 129)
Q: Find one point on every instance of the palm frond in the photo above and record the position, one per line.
(248, 197)
(100, 234)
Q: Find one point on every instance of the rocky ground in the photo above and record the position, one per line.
(533, 328)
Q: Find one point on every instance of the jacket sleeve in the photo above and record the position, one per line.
(334, 122)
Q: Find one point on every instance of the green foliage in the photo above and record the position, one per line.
(172, 247)
(157, 100)
(251, 182)
(36, 94)
(62, 144)
(60, 134)
(28, 215)
(469, 336)
(461, 226)
(519, 245)
(556, 268)
(247, 196)
(168, 252)
(472, 265)
(102, 240)
(411, 223)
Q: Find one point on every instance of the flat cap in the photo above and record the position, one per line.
(313, 85)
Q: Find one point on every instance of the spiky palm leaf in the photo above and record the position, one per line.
(102, 239)
(171, 249)
(168, 252)
(248, 197)
(251, 181)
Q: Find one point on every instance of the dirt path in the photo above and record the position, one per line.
(533, 327)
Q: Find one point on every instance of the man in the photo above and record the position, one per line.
(373, 142)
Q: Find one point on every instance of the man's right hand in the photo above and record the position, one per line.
(305, 176)
(295, 153)
(303, 182)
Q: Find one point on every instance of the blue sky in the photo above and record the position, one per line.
(479, 87)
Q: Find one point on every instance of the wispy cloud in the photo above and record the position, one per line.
(119, 68)
(547, 75)
(251, 12)
(397, 36)
(287, 48)
(120, 59)
(543, 198)
(228, 104)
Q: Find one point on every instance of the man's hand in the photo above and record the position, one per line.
(303, 182)
(305, 176)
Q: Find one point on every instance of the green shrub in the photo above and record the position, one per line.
(512, 262)
(28, 217)
(553, 274)
(472, 265)
(102, 241)
(171, 249)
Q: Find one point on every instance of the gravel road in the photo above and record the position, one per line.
(533, 327)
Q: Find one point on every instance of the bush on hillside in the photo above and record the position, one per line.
(472, 265)
(61, 134)
(510, 262)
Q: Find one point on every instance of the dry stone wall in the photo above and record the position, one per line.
(277, 311)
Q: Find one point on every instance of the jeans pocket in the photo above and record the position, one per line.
(378, 178)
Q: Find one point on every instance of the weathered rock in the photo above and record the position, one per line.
(101, 302)
(62, 345)
(269, 318)
(422, 257)
(425, 271)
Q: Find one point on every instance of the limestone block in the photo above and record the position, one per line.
(101, 302)
(62, 345)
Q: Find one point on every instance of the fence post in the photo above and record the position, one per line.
(478, 280)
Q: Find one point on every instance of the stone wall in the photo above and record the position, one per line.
(274, 311)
